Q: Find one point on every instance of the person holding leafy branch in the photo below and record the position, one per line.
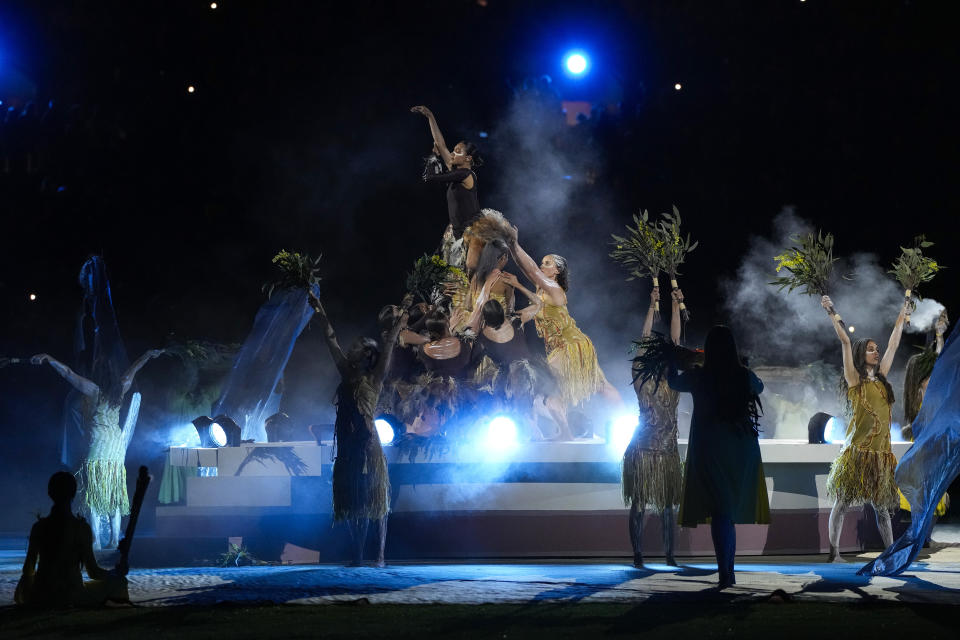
(864, 470)
(651, 463)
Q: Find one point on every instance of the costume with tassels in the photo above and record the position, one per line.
(361, 485)
(864, 470)
(570, 353)
(104, 476)
(652, 472)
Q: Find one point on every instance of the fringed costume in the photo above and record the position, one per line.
(652, 472)
(864, 470)
(104, 476)
(361, 485)
(570, 353)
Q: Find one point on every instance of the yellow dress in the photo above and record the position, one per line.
(863, 472)
(570, 354)
(104, 473)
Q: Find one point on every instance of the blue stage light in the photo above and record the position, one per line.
(501, 433)
(576, 63)
(384, 430)
(218, 435)
(621, 432)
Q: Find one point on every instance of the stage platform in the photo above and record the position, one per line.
(556, 499)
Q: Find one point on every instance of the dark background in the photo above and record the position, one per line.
(298, 136)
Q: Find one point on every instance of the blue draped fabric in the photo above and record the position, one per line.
(250, 394)
(931, 464)
(98, 354)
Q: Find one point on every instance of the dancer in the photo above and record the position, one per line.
(864, 470)
(651, 463)
(723, 476)
(463, 205)
(919, 368)
(103, 473)
(361, 486)
(570, 353)
(59, 545)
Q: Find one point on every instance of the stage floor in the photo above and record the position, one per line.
(935, 578)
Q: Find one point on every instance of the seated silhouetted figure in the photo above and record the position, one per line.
(59, 545)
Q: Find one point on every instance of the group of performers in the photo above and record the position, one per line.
(468, 346)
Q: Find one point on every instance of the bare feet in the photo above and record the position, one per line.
(380, 564)
(834, 556)
(638, 561)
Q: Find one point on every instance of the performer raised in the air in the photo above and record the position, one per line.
(570, 353)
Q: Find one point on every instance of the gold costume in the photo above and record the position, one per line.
(570, 354)
(863, 472)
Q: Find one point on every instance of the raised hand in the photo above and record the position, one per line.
(827, 304)
(654, 296)
(422, 110)
(509, 278)
(40, 358)
(156, 353)
(677, 295)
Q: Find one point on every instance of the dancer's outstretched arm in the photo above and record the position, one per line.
(336, 352)
(849, 371)
(532, 271)
(127, 380)
(438, 142)
(527, 313)
(81, 384)
(651, 312)
(675, 325)
(887, 362)
(389, 341)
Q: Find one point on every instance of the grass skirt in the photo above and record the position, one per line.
(361, 484)
(576, 370)
(862, 475)
(651, 477)
(105, 487)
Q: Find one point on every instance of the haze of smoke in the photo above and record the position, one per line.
(790, 328)
(541, 168)
(924, 316)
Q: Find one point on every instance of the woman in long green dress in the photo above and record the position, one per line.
(723, 476)
(864, 470)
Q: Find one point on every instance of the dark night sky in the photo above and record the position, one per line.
(298, 137)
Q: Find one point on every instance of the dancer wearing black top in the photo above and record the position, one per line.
(463, 205)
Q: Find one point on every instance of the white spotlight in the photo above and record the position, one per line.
(384, 430)
(218, 434)
(501, 433)
(850, 328)
(191, 89)
(33, 297)
(213, 5)
(678, 86)
(621, 432)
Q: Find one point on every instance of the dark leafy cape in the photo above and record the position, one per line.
(655, 355)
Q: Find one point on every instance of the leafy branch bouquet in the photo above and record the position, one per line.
(641, 251)
(431, 276)
(809, 266)
(297, 271)
(913, 268)
(674, 251)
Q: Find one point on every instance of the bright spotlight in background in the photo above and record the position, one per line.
(384, 430)
(621, 432)
(191, 89)
(835, 432)
(218, 435)
(850, 329)
(501, 433)
(576, 63)
(33, 297)
(678, 86)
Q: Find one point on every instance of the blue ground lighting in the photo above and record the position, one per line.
(576, 63)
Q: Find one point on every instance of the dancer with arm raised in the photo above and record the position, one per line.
(864, 470)
(361, 485)
(571, 355)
